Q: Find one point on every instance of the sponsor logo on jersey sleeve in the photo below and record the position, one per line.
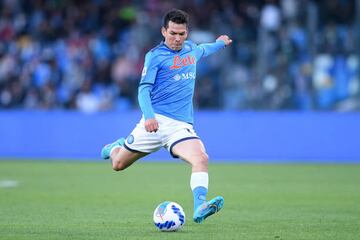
(144, 72)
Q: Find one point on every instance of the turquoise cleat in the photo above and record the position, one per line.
(208, 208)
(105, 152)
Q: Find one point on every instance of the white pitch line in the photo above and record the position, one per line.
(7, 183)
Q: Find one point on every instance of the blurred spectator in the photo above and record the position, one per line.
(88, 55)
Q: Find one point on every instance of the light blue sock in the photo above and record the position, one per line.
(199, 194)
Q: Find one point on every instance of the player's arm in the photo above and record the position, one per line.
(207, 49)
(146, 85)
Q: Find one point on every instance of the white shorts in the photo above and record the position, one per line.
(170, 132)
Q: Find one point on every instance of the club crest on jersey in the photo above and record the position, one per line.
(179, 62)
(130, 139)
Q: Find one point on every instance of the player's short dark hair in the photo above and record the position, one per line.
(176, 16)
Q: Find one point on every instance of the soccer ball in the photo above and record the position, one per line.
(169, 216)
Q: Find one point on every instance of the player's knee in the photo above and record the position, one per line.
(118, 165)
(202, 159)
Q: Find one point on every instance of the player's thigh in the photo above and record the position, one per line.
(191, 150)
(124, 158)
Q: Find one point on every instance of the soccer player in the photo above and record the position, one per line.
(165, 96)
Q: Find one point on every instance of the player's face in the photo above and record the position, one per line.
(175, 35)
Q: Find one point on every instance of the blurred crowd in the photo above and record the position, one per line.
(88, 54)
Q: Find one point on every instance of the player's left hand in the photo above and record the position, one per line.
(151, 125)
(226, 39)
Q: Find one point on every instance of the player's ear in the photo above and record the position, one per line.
(163, 31)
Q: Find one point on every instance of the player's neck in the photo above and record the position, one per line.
(171, 48)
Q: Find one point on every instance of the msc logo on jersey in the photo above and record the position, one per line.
(177, 77)
(185, 76)
(179, 62)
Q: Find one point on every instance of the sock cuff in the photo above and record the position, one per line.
(199, 179)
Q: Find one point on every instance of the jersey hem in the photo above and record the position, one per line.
(132, 150)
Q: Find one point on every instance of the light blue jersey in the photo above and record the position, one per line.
(168, 79)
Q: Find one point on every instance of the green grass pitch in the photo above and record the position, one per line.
(87, 200)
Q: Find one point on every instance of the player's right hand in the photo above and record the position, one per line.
(151, 125)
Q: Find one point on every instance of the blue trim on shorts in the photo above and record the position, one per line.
(132, 150)
(176, 142)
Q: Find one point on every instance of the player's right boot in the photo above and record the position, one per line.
(208, 208)
(105, 152)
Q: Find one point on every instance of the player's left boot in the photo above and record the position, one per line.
(208, 208)
(105, 152)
